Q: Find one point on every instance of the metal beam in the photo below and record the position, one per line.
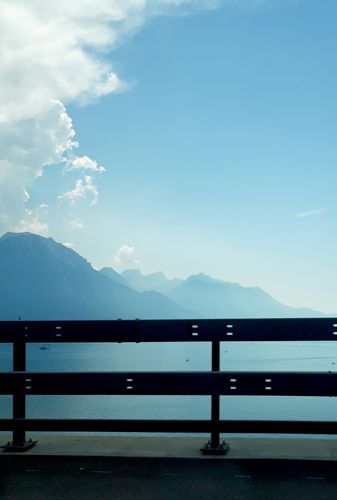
(184, 426)
(171, 383)
(199, 330)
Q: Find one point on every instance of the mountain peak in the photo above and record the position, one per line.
(43, 279)
(204, 279)
(41, 246)
(110, 273)
(10, 234)
(156, 281)
(138, 273)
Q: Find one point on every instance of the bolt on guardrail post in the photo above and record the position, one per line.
(19, 442)
(214, 447)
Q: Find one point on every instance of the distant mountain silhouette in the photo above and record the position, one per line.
(218, 299)
(212, 298)
(155, 281)
(42, 279)
(114, 276)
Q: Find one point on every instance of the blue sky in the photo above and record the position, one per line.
(219, 148)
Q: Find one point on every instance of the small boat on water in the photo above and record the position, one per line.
(44, 348)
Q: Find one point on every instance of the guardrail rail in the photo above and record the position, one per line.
(21, 383)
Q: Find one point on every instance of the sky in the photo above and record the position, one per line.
(184, 136)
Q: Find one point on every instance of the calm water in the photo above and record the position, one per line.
(176, 356)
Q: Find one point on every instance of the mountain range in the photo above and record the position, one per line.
(42, 279)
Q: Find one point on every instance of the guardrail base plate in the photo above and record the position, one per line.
(12, 447)
(208, 449)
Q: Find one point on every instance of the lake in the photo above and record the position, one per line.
(246, 356)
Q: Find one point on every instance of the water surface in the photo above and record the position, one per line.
(247, 356)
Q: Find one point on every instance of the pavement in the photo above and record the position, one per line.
(134, 446)
(169, 468)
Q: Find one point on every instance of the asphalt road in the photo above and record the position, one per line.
(95, 478)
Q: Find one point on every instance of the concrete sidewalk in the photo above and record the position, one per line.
(179, 447)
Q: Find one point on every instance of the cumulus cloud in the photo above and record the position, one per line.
(26, 147)
(77, 223)
(83, 163)
(82, 188)
(46, 54)
(56, 50)
(31, 223)
(125, 257)
(52, 54)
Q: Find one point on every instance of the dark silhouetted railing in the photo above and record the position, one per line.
(19, 383)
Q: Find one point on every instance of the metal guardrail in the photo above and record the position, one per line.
(19, 383)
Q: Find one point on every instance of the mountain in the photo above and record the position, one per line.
(155, 281)
(213, 298)
(42, 279)
(114, 276)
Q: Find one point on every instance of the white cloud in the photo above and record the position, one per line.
(31, 223)
(82, 188)
(125, 257)
(69, 244)
(53, 53)
(83, 163)
(26, 147)
(56, 50)
(26, 196)
(77, 223)
(309, 213)
(46, 54)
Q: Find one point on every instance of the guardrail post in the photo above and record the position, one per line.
(214, 447)
(19, 442)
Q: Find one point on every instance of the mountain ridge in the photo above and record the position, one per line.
(214, 298)
(43, 279)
